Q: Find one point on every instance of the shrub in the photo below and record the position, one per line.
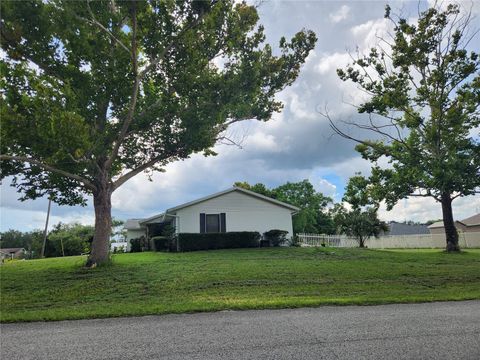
(161, 243)
(276, 237)
(119, 249)
(139, 244)
(211, 241)
(295, 241)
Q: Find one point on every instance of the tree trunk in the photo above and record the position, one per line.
(362, 242)
(449, 224)
(103, 226)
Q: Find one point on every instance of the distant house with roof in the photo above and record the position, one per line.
(234, 209)
(470, 224)
(396, 228)
(12, 253)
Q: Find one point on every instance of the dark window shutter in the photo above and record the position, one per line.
(202, 223)
(223, 224)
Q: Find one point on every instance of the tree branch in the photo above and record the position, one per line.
(139, 76)
(136, 87)
(124, 178)
(40, 164)
(97, 23)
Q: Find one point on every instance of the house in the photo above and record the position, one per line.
(234, 209)
(396, 228)
(468, 225)
(12, 253)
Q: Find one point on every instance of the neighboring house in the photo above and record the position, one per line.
(12, 253)
(470, 224)
(235, 209)
(396, 228)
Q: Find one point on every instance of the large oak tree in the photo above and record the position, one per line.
(424, 110)
(96, 92)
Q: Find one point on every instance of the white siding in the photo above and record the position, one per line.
(134, 234)
(243, 213)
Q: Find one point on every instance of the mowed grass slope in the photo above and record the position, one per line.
(157, 283)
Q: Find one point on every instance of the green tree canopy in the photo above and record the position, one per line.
(96, 92)
(359, 223)
(31, 241)
(69, 239)
(423, 110)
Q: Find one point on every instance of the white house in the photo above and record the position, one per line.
(235, 209)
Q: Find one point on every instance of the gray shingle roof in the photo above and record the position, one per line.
(406, 229)
(132, 224)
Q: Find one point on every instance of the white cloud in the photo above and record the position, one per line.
(325, 187)
(329, 63)
(370, 33)
(424, 209)
(466, 6)
(263, 142)
(28, 220)
(340, 15)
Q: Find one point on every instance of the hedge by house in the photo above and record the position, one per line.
(163, 243)
(211, 241)
(276, 237)
(139, 244)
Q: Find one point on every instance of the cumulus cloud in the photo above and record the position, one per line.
(341, 14)
(371, 33)
(423, 209)
(466, 6)
(325, 187)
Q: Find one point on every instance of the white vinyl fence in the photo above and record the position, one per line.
(466, 240)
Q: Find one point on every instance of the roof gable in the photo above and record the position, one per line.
(133, 224)
(472, 220)
(238, 189)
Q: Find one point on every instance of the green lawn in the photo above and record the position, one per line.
(157, 283)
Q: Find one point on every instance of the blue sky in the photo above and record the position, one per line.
(296, 144)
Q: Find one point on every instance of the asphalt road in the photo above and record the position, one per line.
(448, 330)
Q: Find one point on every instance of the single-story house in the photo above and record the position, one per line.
(12, 253)
(234, 209)
(470, 224)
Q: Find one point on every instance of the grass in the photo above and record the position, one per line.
(158, 283)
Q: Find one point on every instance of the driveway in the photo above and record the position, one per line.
(448, 330)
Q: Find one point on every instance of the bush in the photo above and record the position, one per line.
(162, 243)
(118, 249)
(295, 241)
(275, 237)
(139, 244)
(211, 241)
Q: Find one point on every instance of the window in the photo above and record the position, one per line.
(212, 223)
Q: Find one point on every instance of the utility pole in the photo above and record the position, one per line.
(42, 255)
